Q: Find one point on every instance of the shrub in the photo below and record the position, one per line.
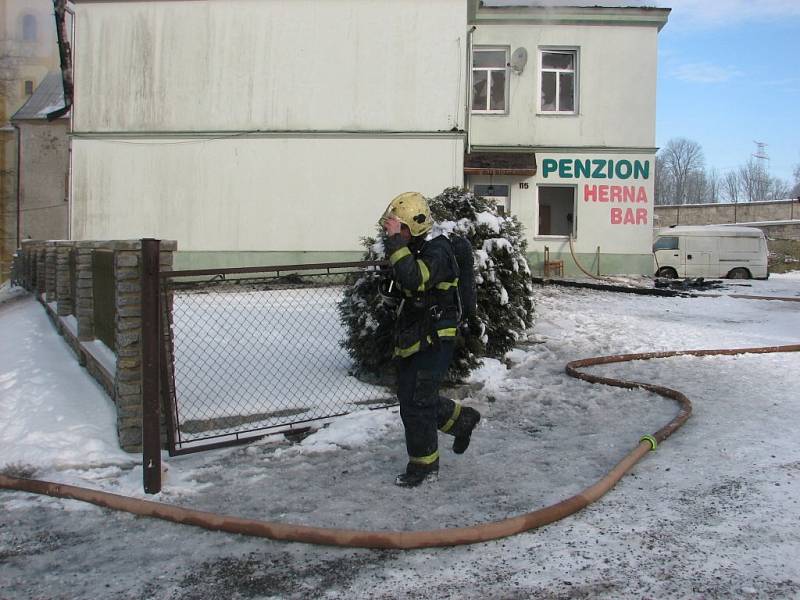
(503, 278)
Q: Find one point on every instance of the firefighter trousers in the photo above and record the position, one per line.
(422, 409)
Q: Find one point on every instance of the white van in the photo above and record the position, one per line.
(710, 251)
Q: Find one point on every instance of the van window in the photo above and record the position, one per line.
(666, 243)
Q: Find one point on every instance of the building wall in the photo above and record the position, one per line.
(616, 89)
(43, 185)
(271, 194)
(243, 127)
(21, 60)
(270, 65)
(613, 209)
(614, 126)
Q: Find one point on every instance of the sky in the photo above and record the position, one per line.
(716, 503)
(728, 77)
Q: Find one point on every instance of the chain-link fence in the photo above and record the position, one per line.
(254, 351)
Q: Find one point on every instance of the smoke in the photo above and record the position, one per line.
(553, 3)
(691, 13)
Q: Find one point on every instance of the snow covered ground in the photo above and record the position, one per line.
(714, 513)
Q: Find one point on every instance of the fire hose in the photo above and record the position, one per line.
(592, 275)
(413, 539)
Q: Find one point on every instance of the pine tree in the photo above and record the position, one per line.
(503, 278)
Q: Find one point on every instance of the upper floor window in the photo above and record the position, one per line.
(28, 87)
(29, 33)
(489, 80)
(558, 80)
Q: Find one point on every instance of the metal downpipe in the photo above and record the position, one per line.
(411, 539)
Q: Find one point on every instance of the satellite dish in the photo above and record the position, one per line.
(518, 60)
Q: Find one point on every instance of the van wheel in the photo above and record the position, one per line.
(667, 272)
(739, 273)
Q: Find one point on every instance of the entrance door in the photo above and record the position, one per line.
(497, 193)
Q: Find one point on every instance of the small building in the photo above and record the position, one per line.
(28, 51)
(43, 148)
(562, 128)
(275, 132)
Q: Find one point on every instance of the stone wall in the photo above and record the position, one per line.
(45, 270)
(750, 213)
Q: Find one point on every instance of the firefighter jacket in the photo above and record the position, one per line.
(427, 273)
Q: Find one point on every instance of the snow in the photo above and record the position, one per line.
(492, 221)
(52, 414)
(712, 513)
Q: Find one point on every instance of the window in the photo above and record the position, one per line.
(489, 80)
(28, 87)
(496, 193)
(666, 243)
(556, 210)
(558, 76)
(29, 33)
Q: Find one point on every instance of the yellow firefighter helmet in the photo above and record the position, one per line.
(411, 209)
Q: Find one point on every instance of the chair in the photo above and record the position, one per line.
(554, 267)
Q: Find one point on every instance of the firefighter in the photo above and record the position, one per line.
(426, 273)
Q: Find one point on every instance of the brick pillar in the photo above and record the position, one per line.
(41, 271)
(64, 297)
(128, 334)
(85, 306)
(25, 265)
(28, 267)
(50, 272)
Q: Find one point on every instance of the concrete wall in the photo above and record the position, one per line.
(270, 65)
(44, 149)
(616, 88)
(270, 126)
(253, 194)
(743, 212)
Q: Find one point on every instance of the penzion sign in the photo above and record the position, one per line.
(602, 168)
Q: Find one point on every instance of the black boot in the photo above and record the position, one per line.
(417, 474)
(462, 430)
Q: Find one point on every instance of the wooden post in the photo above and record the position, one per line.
(151, 339)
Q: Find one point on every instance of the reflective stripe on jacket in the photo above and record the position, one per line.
(426, 273)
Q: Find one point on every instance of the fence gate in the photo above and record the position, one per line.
(251, 351)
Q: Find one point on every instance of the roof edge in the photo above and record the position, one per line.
(571, 15)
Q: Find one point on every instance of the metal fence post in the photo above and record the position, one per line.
(151, 338)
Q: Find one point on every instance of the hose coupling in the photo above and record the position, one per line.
(652, 440)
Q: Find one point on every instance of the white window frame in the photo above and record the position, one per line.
(574, 213)
(575, 71)
(489, 111)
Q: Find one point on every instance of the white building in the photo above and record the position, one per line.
(275, 131)
(576, 103)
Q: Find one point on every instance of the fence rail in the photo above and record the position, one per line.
(250, 351)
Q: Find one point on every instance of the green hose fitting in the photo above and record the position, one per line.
(652, 440)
